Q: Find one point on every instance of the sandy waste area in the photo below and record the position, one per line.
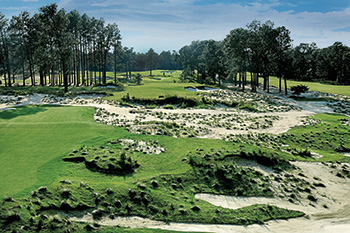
(330, 214)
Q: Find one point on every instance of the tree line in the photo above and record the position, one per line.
(133, 61)
(263, 50)
(55, 47)
(61, 48)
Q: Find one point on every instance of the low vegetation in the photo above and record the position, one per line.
(154, 168)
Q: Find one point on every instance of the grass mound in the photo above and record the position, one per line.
(114, 157)
(142, 199)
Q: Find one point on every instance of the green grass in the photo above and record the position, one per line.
(33, 138)
(38, 137)
(326, 138)
(151, 88)
(314, 86)
(159, 84)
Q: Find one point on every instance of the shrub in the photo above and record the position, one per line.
(169, 106)
(297, 90)
(247, 107)
(138, 78)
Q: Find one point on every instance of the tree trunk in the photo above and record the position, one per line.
(115, 67)
(23, 73)
(240, 79)
(82, 61)
(280, 84)
(65, 76)
(5, 79)
(105, 68)
(94, 60)
(243, 81)
(285, 86)
(32, 75)
(78, 64)
(41, 73)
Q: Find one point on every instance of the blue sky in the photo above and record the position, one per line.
(171, 24)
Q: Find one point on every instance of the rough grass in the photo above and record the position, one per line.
(328, 138)
(40, 136)
(34, 139)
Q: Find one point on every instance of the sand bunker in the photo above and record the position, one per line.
(331, 212)
(200, 88)
(334, 219)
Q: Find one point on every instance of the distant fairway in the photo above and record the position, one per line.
(153, 87)
(314, 86)
(33, 139)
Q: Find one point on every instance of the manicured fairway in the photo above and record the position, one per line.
(154, 87)
(34, 138)
(314, 86)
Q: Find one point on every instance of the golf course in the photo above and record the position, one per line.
(107, 162)
(174, 116)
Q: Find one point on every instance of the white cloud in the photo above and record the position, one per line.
(14, 8)
(171, 24)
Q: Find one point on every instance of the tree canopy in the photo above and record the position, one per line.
(55, 47)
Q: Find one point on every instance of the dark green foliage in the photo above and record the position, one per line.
(302, 153)
(217, 172)
(175, 100)
(247, 107)
(164, 205)
(299, 89)
(138, 78)
(57, 91)
(103, 159)
(266, 157)
(171, 129)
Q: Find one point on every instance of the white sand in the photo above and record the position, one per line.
(336, 195)
(335, 219)
(287, 120)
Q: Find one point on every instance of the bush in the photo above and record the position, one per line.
(184, 101)
(138, 78)
(169, 106)
(297, 90)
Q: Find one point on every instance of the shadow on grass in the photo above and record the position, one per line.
(24, 111)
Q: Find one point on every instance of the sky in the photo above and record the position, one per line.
(171, 24)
